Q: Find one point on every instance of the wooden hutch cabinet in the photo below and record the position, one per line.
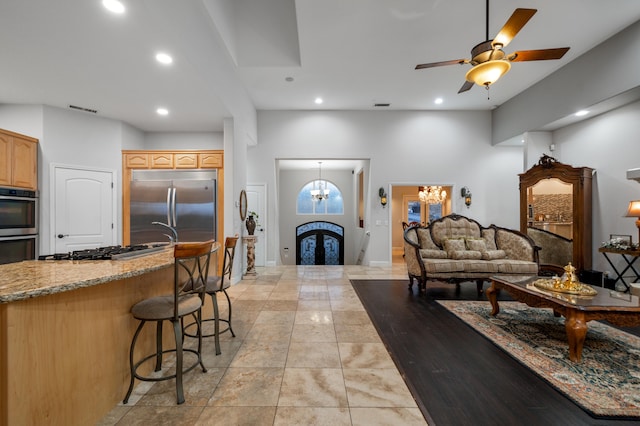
(167, 160)
(18, 160)
(554, 195)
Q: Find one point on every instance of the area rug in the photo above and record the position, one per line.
(606, 383)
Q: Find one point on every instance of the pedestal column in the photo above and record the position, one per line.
(250, 241)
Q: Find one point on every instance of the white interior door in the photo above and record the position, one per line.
(83, 206)
(256, 202)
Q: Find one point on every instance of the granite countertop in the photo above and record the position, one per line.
(35, 278)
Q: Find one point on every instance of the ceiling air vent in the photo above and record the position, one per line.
(381, 105)
(94, 111)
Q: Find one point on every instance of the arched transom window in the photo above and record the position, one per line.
(333, 204)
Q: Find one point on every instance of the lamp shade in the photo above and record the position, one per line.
(487, 73)
(634, 209)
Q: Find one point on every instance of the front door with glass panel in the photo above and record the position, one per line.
(319, 243)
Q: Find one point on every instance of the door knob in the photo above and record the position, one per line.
(62, 235)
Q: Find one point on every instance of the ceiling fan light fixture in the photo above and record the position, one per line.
(487, 73)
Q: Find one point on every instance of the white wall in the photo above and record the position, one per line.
(404, 147)
(77, 139)
(183, 140)
(609, 144)
(24, 119)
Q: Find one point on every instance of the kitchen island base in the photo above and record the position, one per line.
(64, 356)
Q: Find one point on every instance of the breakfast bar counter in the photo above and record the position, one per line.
(65, 331)
(34, 278)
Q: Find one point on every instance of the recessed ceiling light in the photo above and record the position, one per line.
(113, 6)
(318, 101)
(162, 111)
(438, 101)
(163, 58)
(581, 113)
(288, 79)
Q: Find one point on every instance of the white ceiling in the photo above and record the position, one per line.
(352, 53)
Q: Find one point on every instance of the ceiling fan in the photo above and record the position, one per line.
(490, 62)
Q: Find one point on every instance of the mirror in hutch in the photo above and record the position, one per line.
(555, 210)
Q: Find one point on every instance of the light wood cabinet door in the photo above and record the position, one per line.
(162, 161)
(18, 160)
(186, 160)
(210, 160)
(137, 161)
(6, 144)
(25, 163)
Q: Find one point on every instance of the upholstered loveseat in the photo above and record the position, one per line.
(456, 249)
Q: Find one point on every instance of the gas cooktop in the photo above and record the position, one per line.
(105, 253)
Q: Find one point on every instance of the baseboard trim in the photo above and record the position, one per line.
(379, 263)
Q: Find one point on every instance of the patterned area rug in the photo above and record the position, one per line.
(605, 383)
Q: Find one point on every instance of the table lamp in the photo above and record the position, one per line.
(634, 211)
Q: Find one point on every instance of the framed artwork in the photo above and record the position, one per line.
(623, 240)
(243, 205)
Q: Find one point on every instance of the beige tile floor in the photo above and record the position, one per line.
(305, 353)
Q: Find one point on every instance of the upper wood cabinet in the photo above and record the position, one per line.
(136, 161)
(187, 160)
(162, 160)
(18, 160)
(173, 159)
(210, 160)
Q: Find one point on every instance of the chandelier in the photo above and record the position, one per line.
(321, 191)
(432, 194)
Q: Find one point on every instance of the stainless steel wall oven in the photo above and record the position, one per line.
(18, 225)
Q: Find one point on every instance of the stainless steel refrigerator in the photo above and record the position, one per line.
(185, 200)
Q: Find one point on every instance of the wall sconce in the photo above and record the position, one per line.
(466, 194)
(383, 197)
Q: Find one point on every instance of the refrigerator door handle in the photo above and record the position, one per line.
(173, 207)
(168, 206)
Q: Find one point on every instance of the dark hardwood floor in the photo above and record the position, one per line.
(460, 376)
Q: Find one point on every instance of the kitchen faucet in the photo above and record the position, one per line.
(173, 239)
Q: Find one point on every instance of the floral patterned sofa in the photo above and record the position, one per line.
(456, 249)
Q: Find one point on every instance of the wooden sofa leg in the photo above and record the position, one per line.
(410, 282)
(479, 284)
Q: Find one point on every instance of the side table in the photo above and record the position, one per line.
(629, 256)
(250, 241)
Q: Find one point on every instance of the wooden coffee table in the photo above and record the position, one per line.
(621, 309)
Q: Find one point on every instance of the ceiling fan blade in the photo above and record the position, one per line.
(514, 24)
(443, 63)
(466, 86)
(538, 55)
